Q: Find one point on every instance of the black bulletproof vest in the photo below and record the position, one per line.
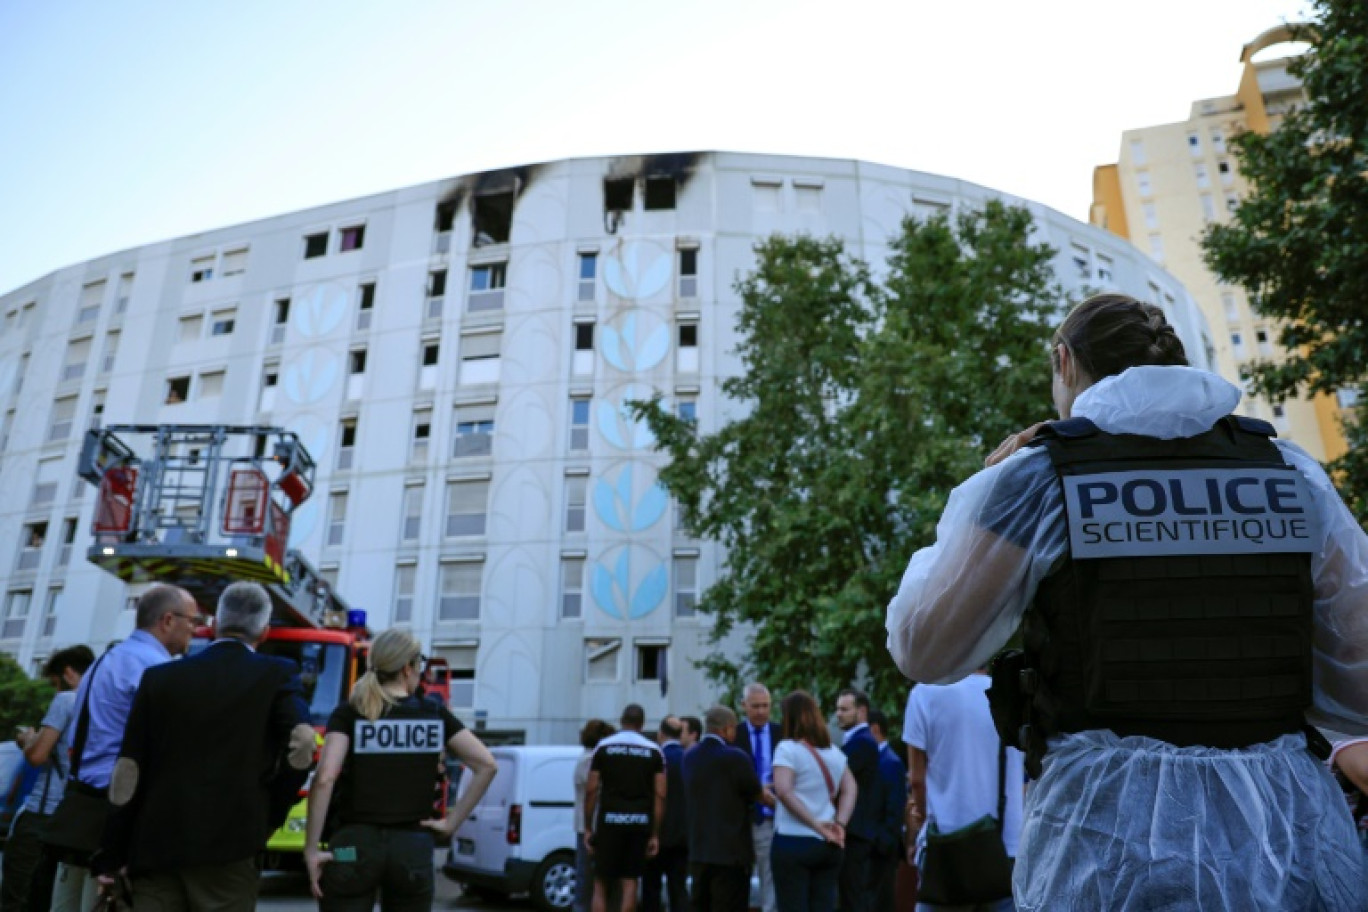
(391, 765)
(1209, 644)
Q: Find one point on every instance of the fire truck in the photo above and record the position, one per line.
(204, 506)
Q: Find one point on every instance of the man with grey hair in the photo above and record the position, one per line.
(757, 736)
(191, 789)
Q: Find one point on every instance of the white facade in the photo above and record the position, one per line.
(456, 357)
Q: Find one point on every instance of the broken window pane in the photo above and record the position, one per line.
(660, 193)
(493, 218)
(617, 194)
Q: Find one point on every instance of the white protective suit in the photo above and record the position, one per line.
(1136, 823)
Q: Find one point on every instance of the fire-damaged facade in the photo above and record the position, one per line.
(457, 358)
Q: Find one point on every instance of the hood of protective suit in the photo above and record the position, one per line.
(1163, 402)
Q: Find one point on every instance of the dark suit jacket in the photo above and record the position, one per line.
(208, 735)
(892, 803)
(674, 827)
(721, 786)
(743, 741)
(862, 753)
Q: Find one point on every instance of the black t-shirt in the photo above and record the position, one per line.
(391, 763)
(627, 765)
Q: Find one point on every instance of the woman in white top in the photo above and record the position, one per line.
(816, 797)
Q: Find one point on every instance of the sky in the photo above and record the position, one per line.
(129, 122)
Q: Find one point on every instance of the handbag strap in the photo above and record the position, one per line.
(83, 724)
(826, 773)
(1002, 784)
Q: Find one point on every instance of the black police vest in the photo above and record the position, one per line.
(1183, 610)
(392, 764)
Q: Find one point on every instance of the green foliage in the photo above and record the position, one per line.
(1299, 240)
(865, 401)
(23, 700)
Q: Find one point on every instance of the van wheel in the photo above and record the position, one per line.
(553, 886)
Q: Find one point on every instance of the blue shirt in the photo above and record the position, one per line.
(47, 793)
(112, 685)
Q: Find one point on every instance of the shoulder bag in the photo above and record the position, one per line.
(77, 825)
(968, 865)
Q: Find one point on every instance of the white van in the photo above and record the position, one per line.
(521, 836)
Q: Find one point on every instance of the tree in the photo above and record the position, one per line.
(865, 402)
(23, 700)
(1298, 242)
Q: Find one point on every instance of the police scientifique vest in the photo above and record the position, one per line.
(1183, 610)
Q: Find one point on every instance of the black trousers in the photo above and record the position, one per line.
(854, 882)
(394, 862)
(720, 888)
(883, 876)
(26, 866)
(672, 864)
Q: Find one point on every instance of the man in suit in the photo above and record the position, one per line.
(672, 861)
(862, 753)
(758, 737)
(888, 841)
(206, 742)
(721, 787)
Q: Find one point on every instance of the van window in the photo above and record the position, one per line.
(553, 782)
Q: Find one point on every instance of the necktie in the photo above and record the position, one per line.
(758, 755)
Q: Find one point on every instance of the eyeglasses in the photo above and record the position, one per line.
(194, 619)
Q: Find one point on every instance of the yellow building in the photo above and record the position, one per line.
(1173, 180)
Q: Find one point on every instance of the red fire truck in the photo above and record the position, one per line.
(210, 505)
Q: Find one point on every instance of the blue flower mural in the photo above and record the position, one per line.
(637, 271)
(622, 508)
(621, 594)
(639, 342)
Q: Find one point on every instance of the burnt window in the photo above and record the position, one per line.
(493, 218)
(584, 337)
(617, 194)
(446, 217)
(315, 245)
(660, 193)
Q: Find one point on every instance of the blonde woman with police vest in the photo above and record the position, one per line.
(380, 754)
(1189, 592)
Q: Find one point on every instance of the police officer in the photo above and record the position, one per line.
(380, 754)
(1177, 575)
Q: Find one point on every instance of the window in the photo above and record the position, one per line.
(768, 194)
(111, 351)
(1218, 141)
(660, 193)
(211, 385)
(1231, 308)
(572, 588)
(97, 404)
(221, 322)
(1194, 144)
(687, 355)
(365, 304)
(68, 540)
(125, 292)
(1264, 343)
(346, 443)
(1347, 397)
(493, 218)
(356, 361)
(436, 291)
(92, 296)
(1137, 152)
(234, 262)
(422, 433)
(177, 390)
(428, 357)
(1142, 180)
(431, 353)
(16, 614)
(1227, 173)
(445, 217)
(352, 238)
(1208, 208)
(32, 539)
(579, 425)
(270, 378)
(54, 608)
(650, 661)
(1082, 261)
(685, 586)
(618, 193)
(487, 287)
(282, 319)
(588, 274)
(1280, 417)
(686, 409)
(480, 358)
(44, 494)
(1232, 202)
(63, 416)
(1156, 246)
(808, 196)
(463, 683)
(601, 659)
(582, 359)
(1105, 268)
(337, 517)
(413, 513)
(191, 327)
(405, 581)
(1237, 344)
(315, 245)
(77, 354)
(1151, 215)
(474, 431)
(460, 596)
(688, 272)
(575, 489)
(1199, 171)
(202, 269)
(467, 502)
